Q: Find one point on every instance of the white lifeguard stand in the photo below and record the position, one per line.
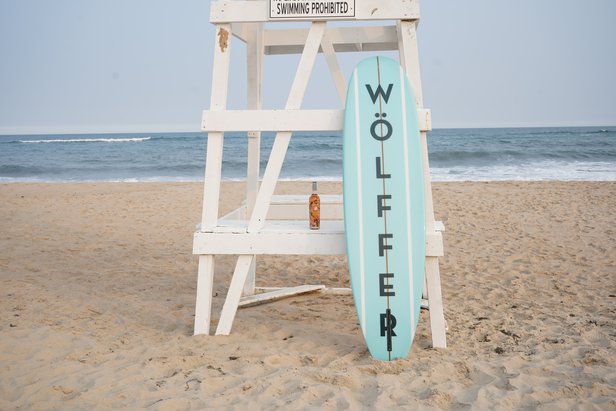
(268, 224)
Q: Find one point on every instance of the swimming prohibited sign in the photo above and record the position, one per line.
(311, 9)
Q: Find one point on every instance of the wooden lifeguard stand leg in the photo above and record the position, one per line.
(409, 59)
(213, 170)
(244, 231)
(254, 66)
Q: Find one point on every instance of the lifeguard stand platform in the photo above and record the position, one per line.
(269, 224)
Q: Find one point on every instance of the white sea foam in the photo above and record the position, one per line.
(546, 170)
(87, 140)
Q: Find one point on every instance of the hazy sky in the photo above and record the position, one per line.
(145, 65)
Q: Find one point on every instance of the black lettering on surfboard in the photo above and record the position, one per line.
(386, 289)
(379, 92)
(379, 172)
(381, 129)
(382, 243)
(380, 203)
(388, 323)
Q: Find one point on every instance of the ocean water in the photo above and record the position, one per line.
(587, 153)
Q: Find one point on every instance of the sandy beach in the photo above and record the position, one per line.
(97, 299)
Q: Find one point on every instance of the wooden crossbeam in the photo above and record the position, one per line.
(234, 11)
(343, 39)
(277, 294)
(287, 238)
(285, 120)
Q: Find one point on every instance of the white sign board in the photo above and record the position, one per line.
(311, 9)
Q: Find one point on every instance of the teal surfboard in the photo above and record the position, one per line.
(384, 212)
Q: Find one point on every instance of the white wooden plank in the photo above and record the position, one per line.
(339, 48)
(251, 278)
(333, 291)
(387, 10)
(233, 294)
(220, 69)
(240, 31)
(429, 202)
(281, 143)
(254, 59)
(299, 243)
(343, 39)
(434, 244)
(218, 101)
(213, 171)
(285, 120)
(409, 58)
(438, 324)
(287, 243)
(286, 237)
(203, 306)
(279, 226)
(334, 68)
(229, 11)
(324, 290)
(266, 289)
(278, 294)
(303, 199)
(337, 291)
(424, 116)
(237, 214)
(273, 120)
(233, 11)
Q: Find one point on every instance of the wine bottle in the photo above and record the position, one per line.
(314, 206)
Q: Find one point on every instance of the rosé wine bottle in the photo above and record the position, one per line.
(314, 207)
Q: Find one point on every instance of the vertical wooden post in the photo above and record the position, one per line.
(213, 169)
(409, 58)
(254, 59)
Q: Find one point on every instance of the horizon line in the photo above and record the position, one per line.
(54, 130)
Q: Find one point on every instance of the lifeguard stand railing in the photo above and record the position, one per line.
(268, 224)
